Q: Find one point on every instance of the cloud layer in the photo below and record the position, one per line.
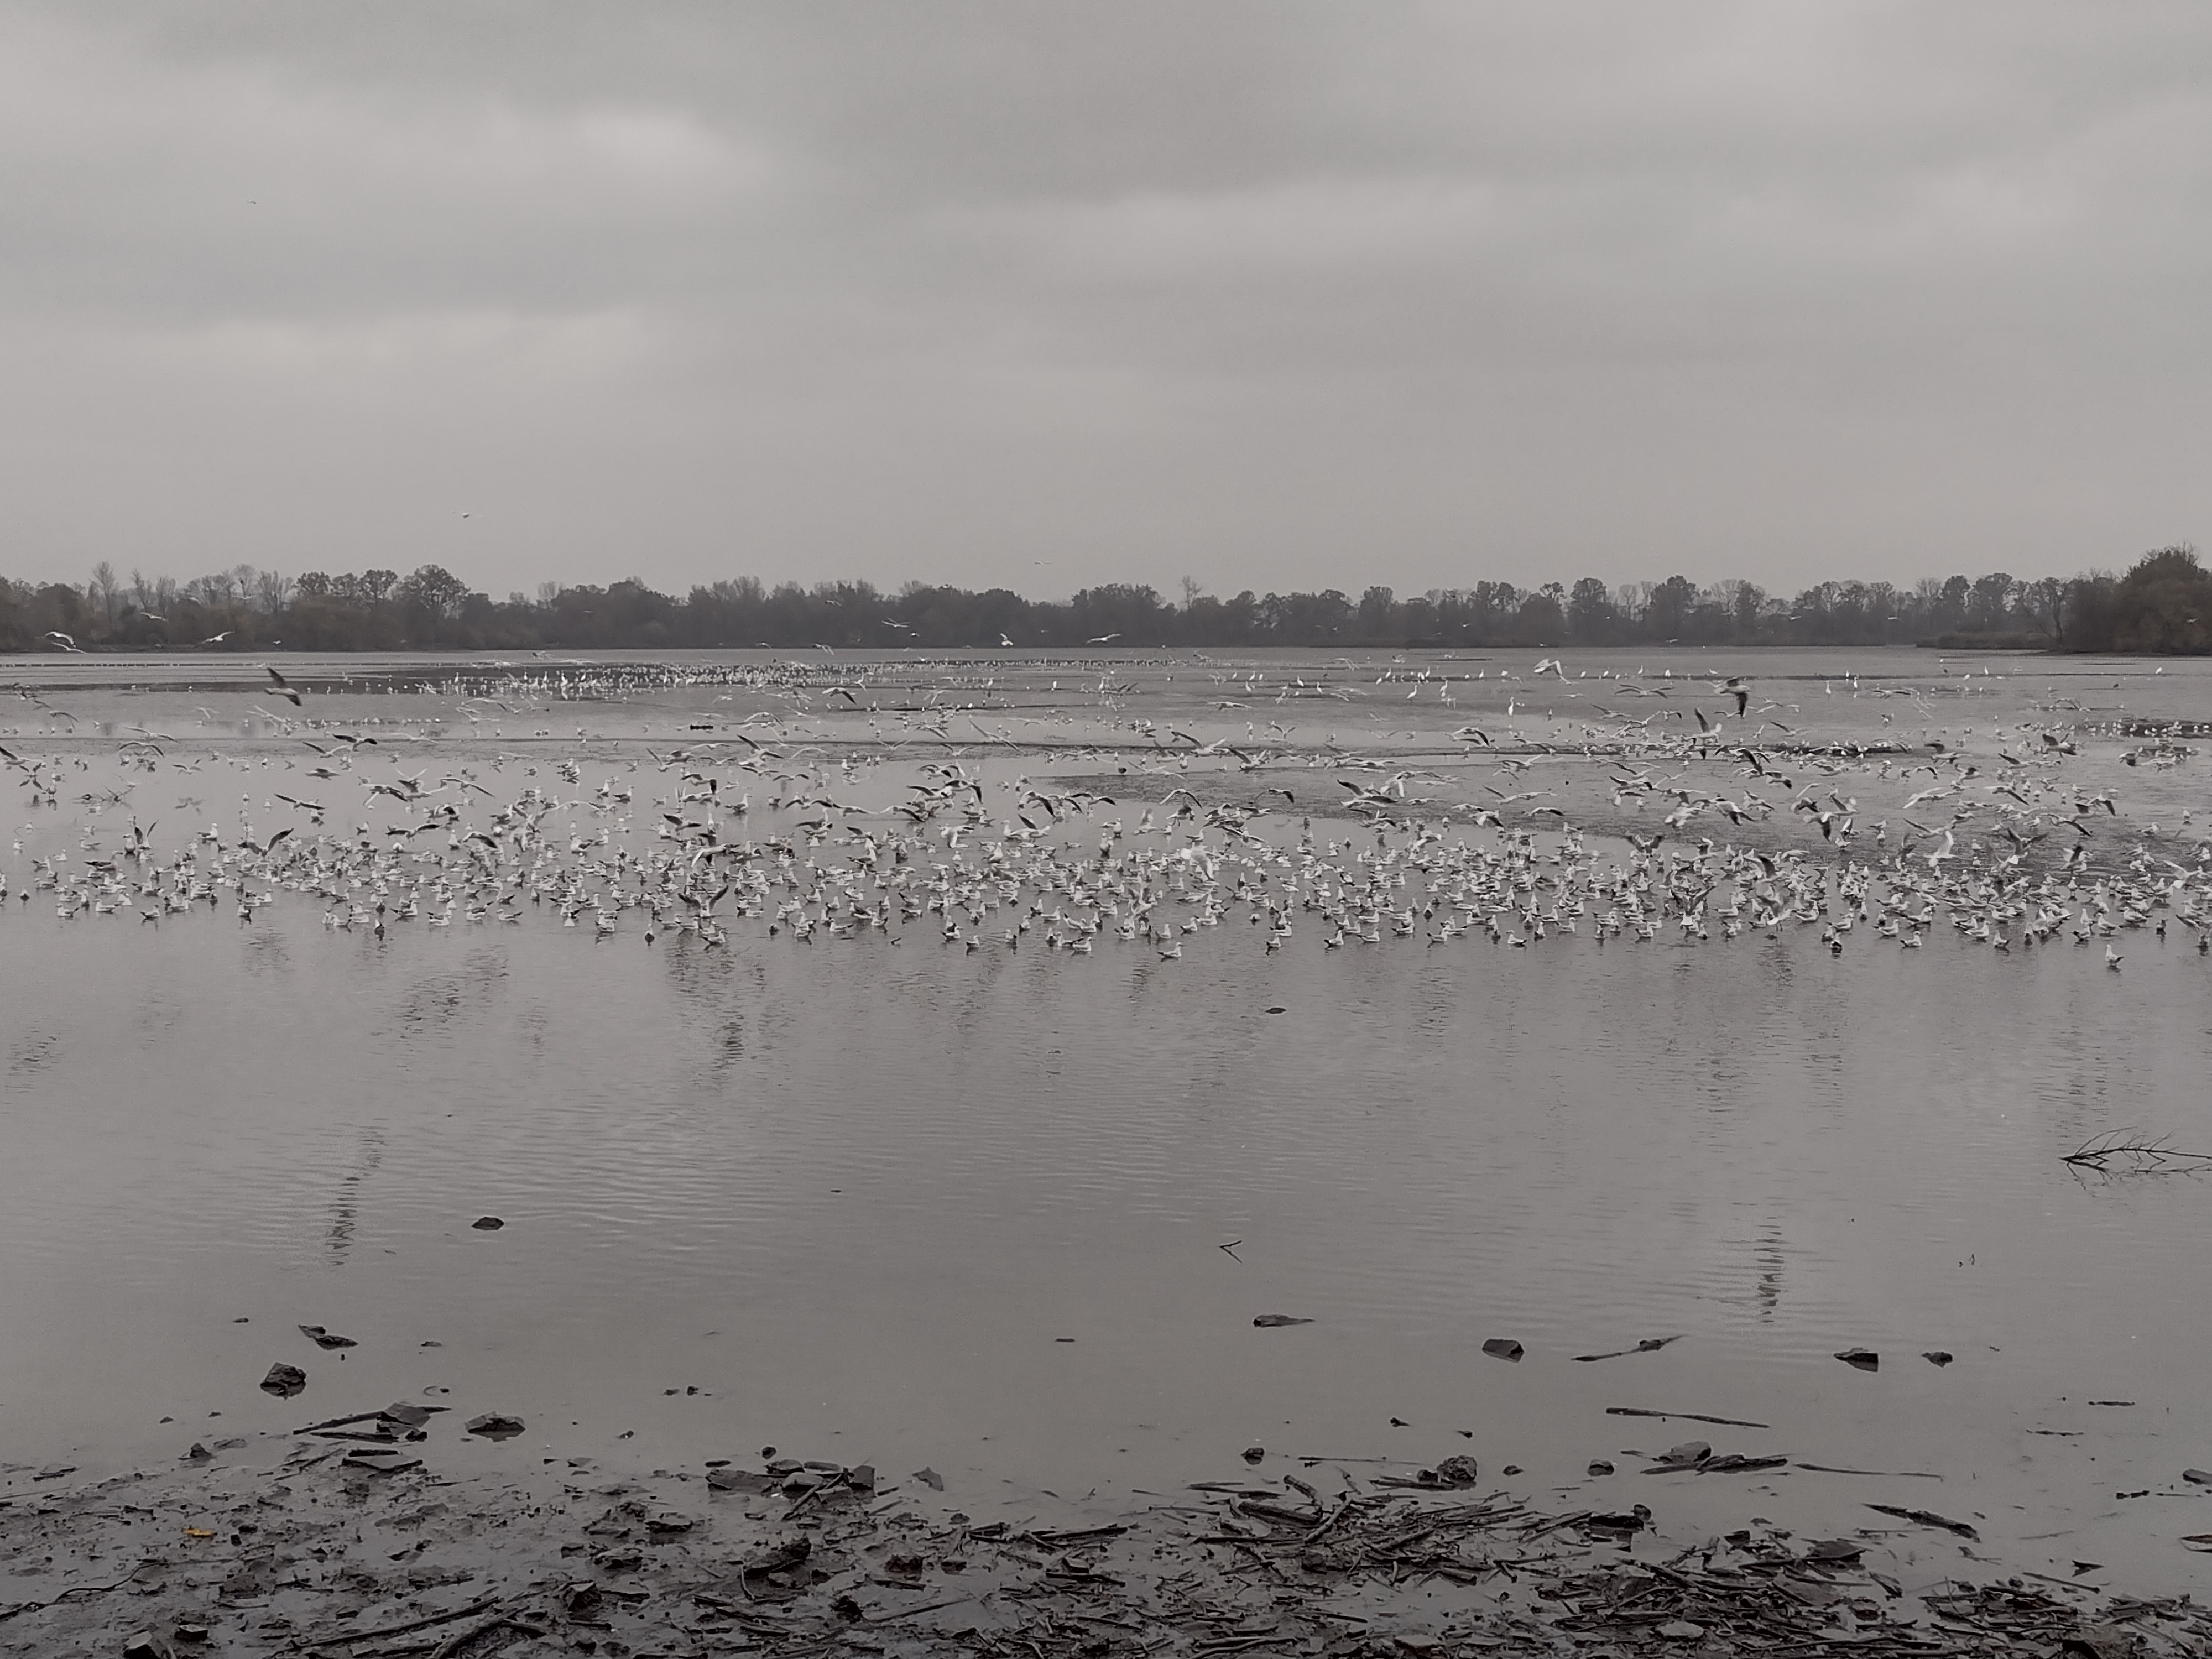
(1266, 294)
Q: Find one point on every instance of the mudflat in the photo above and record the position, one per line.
(355, 1543)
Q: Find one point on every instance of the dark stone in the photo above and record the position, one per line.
(284, 1380)
(1452, 1472)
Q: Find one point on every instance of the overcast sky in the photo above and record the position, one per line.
(1268, 294)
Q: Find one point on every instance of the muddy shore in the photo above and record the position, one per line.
(360, 1539)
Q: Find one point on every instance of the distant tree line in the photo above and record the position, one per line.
(2163, 604)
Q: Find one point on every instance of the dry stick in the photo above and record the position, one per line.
(460, 1638)
(352, 1637)
(1342, 1509)
(74, 1590)
(1258, 1554)
(1693, 1417)
(1557, 1522)
(340, 1422)
(1927, 1518)
(812, 1492)
(2070, 1583)
(1051, 1540)
(736, 1610)
(890, 1613)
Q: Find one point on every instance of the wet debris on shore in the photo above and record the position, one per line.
(349, 1551)
(1454, 1474)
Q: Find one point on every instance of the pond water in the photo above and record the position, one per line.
(865, 1191)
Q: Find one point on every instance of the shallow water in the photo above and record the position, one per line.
(857, 1192)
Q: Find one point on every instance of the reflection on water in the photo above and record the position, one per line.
(345, 1207)
(856, 1191)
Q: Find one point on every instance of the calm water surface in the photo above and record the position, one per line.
(857, 1193)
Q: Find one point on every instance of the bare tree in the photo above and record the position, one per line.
(105, 590)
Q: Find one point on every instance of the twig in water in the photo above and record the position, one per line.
(2124, 1152)
(1693, 1417)
(1927, 1518)
(1649, 1345)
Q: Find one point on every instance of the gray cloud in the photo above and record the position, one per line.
(1267, 293)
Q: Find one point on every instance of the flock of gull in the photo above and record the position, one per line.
(1596, 828)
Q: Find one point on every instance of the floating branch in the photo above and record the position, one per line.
(2124, 1152)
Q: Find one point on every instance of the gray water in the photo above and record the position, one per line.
(859, 1194)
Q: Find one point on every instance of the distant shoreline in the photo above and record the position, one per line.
(2162, 606)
